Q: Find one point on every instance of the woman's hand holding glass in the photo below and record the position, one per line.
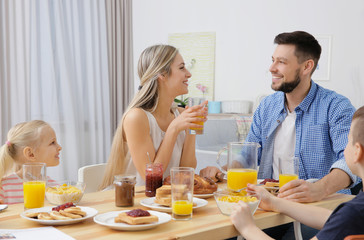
(188, 118)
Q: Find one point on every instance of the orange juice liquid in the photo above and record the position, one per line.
(238, 178)
(200, 129)
(285, 178)
(182, 207)
(34, 194)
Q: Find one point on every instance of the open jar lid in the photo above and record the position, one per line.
(125, 178)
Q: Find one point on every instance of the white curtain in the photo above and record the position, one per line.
(120, 46)
(54, 66)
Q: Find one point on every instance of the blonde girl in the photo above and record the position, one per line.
(33, 141)
(152, 124)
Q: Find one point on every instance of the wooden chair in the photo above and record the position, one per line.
(92, 176)
(355, 237)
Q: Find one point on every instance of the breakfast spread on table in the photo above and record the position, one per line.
(135, 217)
(65, 211)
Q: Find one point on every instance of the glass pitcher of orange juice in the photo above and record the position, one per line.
(34, 181)
(241, 164)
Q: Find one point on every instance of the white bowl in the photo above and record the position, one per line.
(242, 107)
(65, 191)
(226, 201)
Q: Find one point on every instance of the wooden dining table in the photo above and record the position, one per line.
(207, 222)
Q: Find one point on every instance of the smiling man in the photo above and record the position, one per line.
(304, 120)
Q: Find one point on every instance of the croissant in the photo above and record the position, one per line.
(202, 185)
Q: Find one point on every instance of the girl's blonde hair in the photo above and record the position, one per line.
(154, 60)
(20, 136)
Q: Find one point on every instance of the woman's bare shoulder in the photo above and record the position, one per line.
(135, 116)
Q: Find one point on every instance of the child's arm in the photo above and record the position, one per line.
(244, 223)
(309, 215)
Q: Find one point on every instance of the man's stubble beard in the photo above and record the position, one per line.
(288, 87)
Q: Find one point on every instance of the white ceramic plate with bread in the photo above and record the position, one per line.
(108, 219)
(149, 202)
(90, 212)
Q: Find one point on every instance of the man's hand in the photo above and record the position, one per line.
(302, 191)
(211, 172)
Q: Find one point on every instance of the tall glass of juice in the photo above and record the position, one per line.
(34, 181)
(182, 181)
(193, 102)
(288, 169)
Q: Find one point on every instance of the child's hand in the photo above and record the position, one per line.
(242, 218)
(265, 197)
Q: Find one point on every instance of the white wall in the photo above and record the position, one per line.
(244, 38)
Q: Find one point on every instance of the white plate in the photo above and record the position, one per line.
(90, 212)
(149, 202)
(205, 196)
(107, 219)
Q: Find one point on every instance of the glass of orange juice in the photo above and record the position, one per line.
(194, 102)
(288, 169)
(34, 181)
(182, 181)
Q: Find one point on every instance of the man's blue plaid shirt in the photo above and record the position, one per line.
(322, 128)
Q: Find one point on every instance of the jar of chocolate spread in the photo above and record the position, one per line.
(124, 190)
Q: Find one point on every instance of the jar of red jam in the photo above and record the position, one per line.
(153, 178)
(124, 190)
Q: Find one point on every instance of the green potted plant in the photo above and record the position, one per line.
(181, 103)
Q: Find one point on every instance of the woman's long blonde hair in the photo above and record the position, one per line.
(26, 134)
(154, 60)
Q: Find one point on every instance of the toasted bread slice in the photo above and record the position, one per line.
(164, 201)
(164, 190)
(123, 217)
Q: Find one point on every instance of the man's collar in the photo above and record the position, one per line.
(305, 104)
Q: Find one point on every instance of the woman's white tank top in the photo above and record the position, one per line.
(157, 136)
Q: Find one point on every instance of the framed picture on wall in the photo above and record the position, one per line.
(322, 71)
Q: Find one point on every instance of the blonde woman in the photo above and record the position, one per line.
(33, 141)
(152, 124)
